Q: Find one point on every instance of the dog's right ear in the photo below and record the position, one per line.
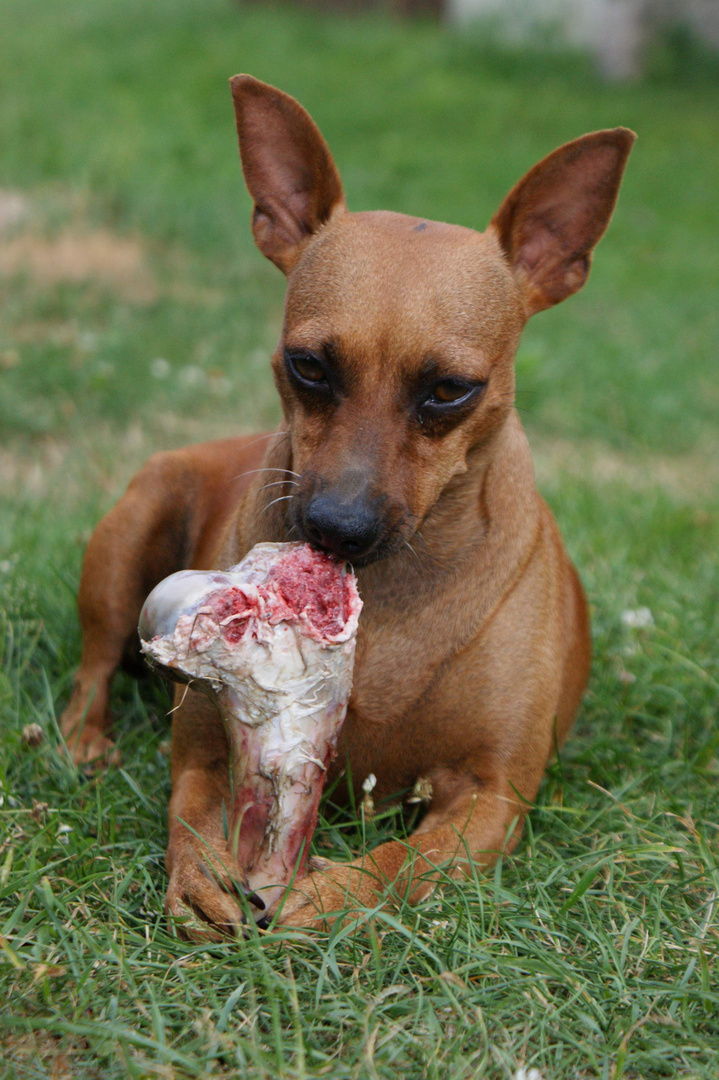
(551, 221)
(288, 169)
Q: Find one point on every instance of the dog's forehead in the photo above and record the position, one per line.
(378, 275)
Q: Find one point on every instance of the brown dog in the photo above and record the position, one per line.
(401, 451)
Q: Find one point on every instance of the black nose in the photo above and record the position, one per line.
(348, 529)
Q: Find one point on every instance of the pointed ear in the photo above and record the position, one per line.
(288, 169)
(550, 222)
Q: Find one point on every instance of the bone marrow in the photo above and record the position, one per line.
(272, 642)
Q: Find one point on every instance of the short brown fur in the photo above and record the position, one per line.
(473, 650)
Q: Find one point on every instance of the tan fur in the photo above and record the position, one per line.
(473, 649)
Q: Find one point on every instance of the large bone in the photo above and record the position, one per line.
(272, 641)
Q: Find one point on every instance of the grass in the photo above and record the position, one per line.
(594, 951)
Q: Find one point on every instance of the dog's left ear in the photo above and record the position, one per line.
(288, 169)
(552, 219)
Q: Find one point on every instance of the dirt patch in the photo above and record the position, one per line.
(60, 1058)
(97, 257)
(14, 210)
(688, 478)
(31, 472)
(70, 471)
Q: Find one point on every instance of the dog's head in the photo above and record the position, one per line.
(399, 335)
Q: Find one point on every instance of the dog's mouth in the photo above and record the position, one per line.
(357, 558)
(359, 529)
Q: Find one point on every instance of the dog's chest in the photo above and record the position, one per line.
(388, 731)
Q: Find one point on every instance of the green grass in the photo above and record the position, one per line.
(594, 951)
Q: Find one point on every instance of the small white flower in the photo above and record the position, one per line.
(638, 618)
(32, 735)
(160, 368)
(88, 340)
(62, 833)
(218, 384)
(369, 784)
(192, 376)
(422, 791)
(528, 1074)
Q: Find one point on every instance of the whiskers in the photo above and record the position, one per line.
(417, 561)
(281, 498)
(250, 472)
(419, 554)
(401, 540)
(510, 401)
(264, 438)
(278, 483)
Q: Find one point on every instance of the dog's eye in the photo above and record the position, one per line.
(307, 369)
(449, 392)
(447, 402)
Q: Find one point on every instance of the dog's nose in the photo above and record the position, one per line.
(347, 529)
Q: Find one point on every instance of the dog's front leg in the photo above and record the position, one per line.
(203, 897)
(475, 825)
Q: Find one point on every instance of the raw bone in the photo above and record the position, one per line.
(272, 642)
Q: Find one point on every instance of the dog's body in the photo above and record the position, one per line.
(400, 450)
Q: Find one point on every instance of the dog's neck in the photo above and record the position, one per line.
(498, 484)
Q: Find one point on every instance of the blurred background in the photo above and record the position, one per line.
(133, 298)
(136, 314)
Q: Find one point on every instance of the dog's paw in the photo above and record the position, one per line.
(91, 748)
(330, 891)
(203, 900)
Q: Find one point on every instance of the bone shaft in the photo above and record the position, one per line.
(276, 804)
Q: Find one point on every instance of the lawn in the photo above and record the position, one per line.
(136, 314)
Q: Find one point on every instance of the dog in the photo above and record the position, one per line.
(400, 450)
